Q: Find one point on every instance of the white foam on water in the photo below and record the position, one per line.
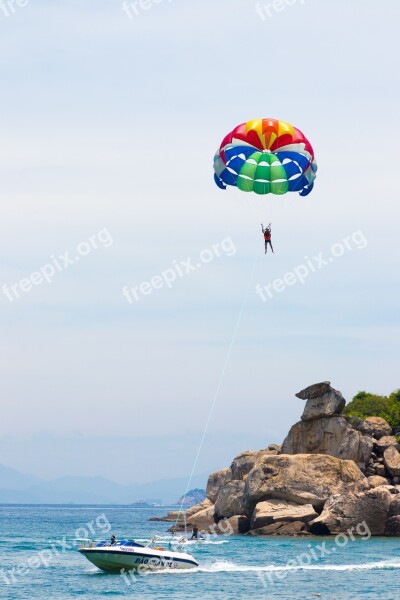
(205, 543)
(93, 571)
(230, 567)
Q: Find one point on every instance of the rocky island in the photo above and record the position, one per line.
(331, 473)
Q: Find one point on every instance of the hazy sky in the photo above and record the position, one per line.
(109, 123)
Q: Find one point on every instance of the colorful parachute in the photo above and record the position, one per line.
(266, 156)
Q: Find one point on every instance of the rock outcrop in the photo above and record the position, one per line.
(243, 464)
(203, 519)
(198, 507)
(379, 427)
(343, 512)
(201, 515)
(216, 481)
(393, 518)
(391, 458)
(281, 511)
(172, 517)
(229, 500)
(300, 478)
(276, 447)
(329, 435)
(333, 474)
(314, 391)
(236, 524)
(328, 405)
(359, 425)
(179, 516)
(294, 528)
(385, 442)
(376, 481)
(246, 461)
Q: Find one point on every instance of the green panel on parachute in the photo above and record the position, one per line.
(263, 173)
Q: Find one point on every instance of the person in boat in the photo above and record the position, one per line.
(267, 237)
(113, 540)
(195, 533)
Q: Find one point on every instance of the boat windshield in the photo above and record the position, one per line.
(125, 543)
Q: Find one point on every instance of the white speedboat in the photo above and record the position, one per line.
(133, 556)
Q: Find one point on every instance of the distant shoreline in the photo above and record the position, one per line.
(77, 505)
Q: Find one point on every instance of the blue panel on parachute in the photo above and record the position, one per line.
(219, 182)
(236, 164)
(232, 151)
(300, 159)
(296, 185)
(307, 190)
(292, 169)
(228, 178)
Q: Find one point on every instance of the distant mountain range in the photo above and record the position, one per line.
(19, 488)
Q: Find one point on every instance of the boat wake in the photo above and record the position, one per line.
(205, 542)
(230, 567)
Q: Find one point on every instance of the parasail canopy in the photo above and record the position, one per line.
(266, 156)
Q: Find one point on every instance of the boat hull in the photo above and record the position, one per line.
(114, 561)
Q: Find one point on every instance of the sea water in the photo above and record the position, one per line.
(39, 559)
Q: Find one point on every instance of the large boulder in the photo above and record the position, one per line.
(198, 507)
(380, 470)
(329, 435)
(379, 426)
(359, 424)
(385, 442)
(314, 391)
(329, 404)
(393, 518)
(203, 519)
(273, 511)
(391, 458)
(276, 447)
(294, 528)
(216, 481)
(347, 511)
(229, 500)
(243, 464)
(246, 461)
(376, 481)
(181, 518)
(233, 525)
(299, 478)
